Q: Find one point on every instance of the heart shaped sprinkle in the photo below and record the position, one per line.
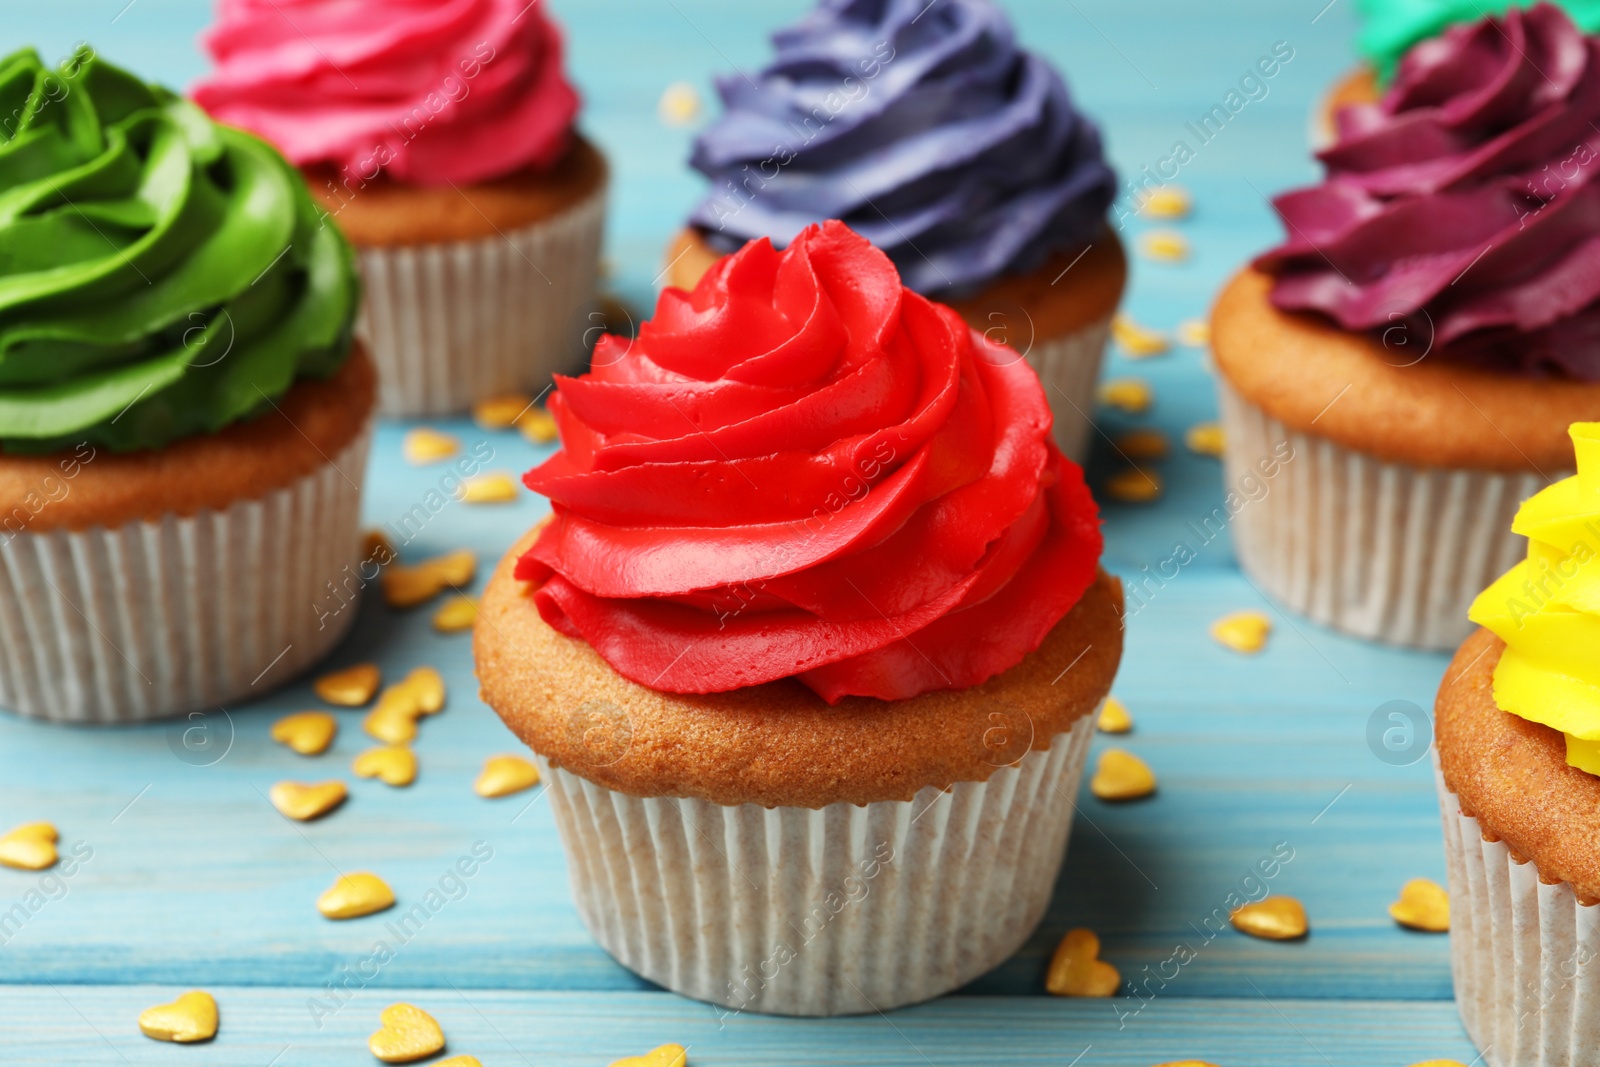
(501, 412)
(1243, 631)
(427, 686)
(455, 615)
(1076, 969)
(538, 426)
(423, 446)
(1274, 919)
(1165, 202)
(355, 895)
(350, 688)
(504, 775)
(303, 802)
(458, 1061)
(190, 1018)
(1121, 775)
(1166, 246)
(406, 587)
(496, 487)
(1136, 485)
(1423, 905)
(308, 733)
(30, 847)
(1114, 717)
(663, 1056)
(1143, 444)
(1205, 439)
(408, 1034)
(393, 765)
(1439, 1063)
(1136, 341)
(1132, 396)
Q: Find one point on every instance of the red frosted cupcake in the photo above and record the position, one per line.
(818, 587)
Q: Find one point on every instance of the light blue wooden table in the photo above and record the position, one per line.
(196, 882)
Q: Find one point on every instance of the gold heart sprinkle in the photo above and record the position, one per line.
(501, 412)
(308, 733)
(1137, 342)
(423, 446)
(427, 686)
(350, 688)
(1076, 969)
(376, 547)
(1275, 919)
(504, 775)
(406, 587)
(1439, 1063)
(1168, 246)
(1243, 631)
(1205, 439)
(1143, 444)
(494, 488)
(393, 723)
(30, 847)
(303, 802)
(190, 1018)
(459, 1061)
(393, 765)
(1187, 1063)
(455, 615)
(538, 427)
(1114, 717)
(1423, 905)
(1120, 775)
(662, 1056)
(1131, 395)
(1196, 333)
(679, 104)
(1165, 202)
(355, 895)
(408, 1034)
(1134, 486)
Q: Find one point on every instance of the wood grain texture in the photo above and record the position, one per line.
(196, 881)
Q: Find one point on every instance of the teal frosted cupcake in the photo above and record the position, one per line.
(183, 417)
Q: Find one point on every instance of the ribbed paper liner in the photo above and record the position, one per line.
(154, 619)
(1523, 953)
(452, 324)
(1069, 367)
(1381, 550)
(699, 897)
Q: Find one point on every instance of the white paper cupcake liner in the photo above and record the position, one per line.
(452, 324)
(1069, 368)
(154, 619)
(1523, 953)
(1380, 550)
(839, 910)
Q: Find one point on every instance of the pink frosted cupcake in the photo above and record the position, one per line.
(439, 138)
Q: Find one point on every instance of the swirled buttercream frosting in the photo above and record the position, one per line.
(160, 275)
(922, 126)
(429, 92)
(1465, 204)
(804, 470)
(1547, 609)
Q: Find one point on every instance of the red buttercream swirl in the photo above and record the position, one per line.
(803, 469)
(1465, 205)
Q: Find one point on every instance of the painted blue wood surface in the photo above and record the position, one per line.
(195, 881)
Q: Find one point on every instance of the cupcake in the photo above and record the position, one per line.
(1518, 727)
(1389, 29)
(439, 138)
(183, 418)
(1411, 354)
(928, 131)
(810, 647)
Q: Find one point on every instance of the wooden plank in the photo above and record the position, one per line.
(97, 1025)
